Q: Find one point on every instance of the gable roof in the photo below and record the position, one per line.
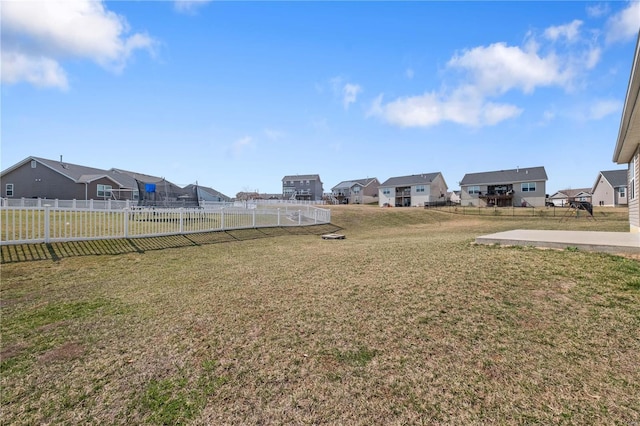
(421, 179)
(525, 174)
(570, 193)
(349, 183)
(616, 178)
(301, 177)
(83, 174)
(206, 189)
(75, 172)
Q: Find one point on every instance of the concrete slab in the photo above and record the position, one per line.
(598, 241)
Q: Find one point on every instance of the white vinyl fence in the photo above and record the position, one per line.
(45, 224)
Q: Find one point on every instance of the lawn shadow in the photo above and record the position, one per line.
(59, 250)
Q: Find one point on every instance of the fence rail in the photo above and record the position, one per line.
(47, 223)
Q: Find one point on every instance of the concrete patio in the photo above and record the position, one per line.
(597, 241)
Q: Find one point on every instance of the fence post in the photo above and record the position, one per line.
(181, 220)
(222, 219)
(47, 223)
(315, 217)
(91, 204)
(278, 216)
(126, 222)
(299, 217)
(254, 217)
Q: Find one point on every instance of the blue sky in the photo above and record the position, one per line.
(235, 95)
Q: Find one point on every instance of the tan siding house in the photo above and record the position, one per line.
(627, 149)
(505, 188)
(413, 191)
(610, 189)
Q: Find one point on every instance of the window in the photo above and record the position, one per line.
(474, 189)
(33, 164)
(356, 189)
(386, 191)
(419, 188)
(9, 190)
(104, 191)
(528, 187)
(622, 191)
(632, 175)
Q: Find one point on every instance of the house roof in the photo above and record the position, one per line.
(525, 174)
(208, 190)
(76, 172)
(570, 193)
(349, 183)
(83, 174)
(301, 177)
(629, 133)
(424, 178)
(616, 178)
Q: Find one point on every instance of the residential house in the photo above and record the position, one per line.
(36, 177)
(358, 191)
(565, 197)
(454, 197)
(207, 194)
(413, 191)
(302, 187)
(505, 188)
(627, 149)
(610, 188)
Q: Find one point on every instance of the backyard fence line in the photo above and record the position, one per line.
(46, 224)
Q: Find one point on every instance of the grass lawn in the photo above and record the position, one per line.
(405, 321)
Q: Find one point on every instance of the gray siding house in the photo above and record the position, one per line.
(357, 191)
(207, 194)
(610, 188)
(36, 177)
(627, 149)
(413, 190)
(302, 187)
(505, 188)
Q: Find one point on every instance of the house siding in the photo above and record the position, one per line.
(533, 199)
(389, 199)
(634, 204)
(41, 182)
(603, 193)
(312, 190)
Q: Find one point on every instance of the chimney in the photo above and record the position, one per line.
(517, 169)
(60, 158)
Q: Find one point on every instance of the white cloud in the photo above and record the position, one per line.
(601, 109)
(350, 92)
(41, 72)
(568, 31)
(489, 72)
(189, 6)
(241, 145)
(498, 68)
(624, 25)
(597, 10)
(347, 92)
(430, 109)
(45, 33)
(273, 135)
